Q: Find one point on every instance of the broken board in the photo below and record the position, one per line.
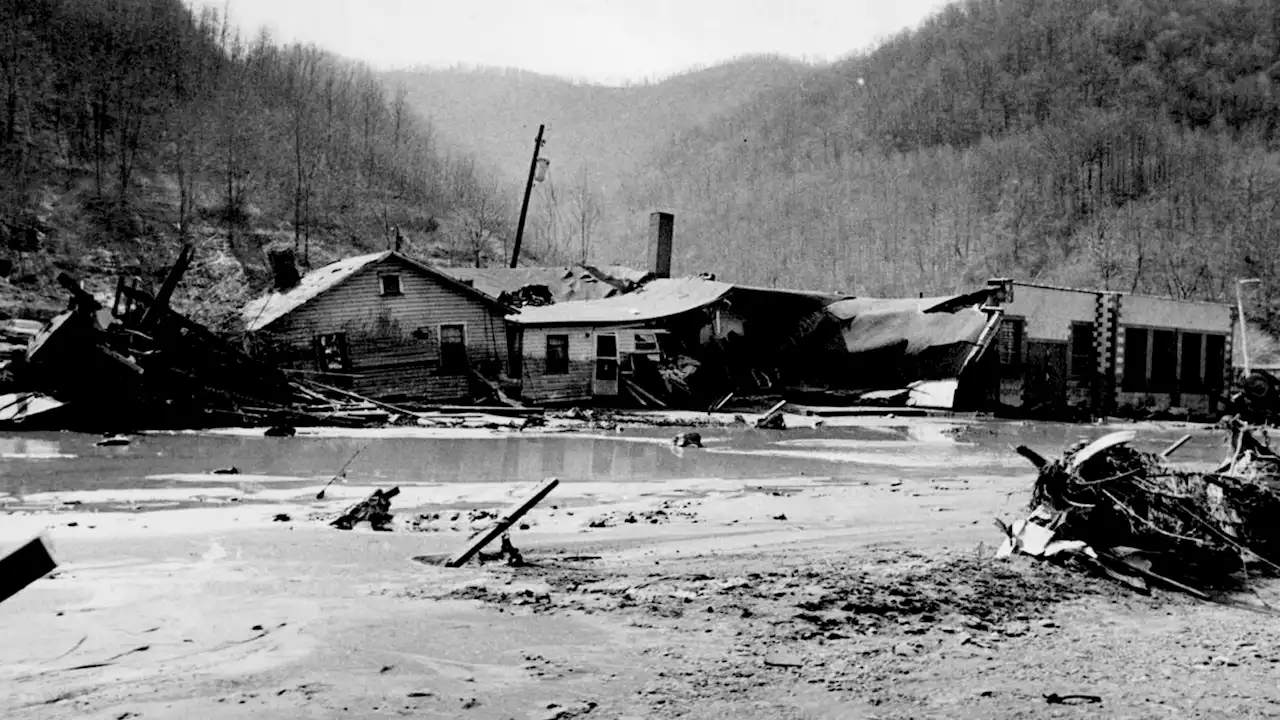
(26, 565)
(502, 525)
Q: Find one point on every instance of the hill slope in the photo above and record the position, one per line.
(1122, 144)
(596, 135)
(130, 126)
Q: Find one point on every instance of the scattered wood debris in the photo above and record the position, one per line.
(500, 527)
(1135, 518)
(376, 509)
(772, 419)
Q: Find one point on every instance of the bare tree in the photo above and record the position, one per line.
(479, 219)
(586, 214)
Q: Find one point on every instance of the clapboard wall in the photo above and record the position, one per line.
(393, 341)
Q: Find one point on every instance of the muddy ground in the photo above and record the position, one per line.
(680, 598)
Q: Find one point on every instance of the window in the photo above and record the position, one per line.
(1192, 368)
(453, 349)
(557, 355)
(646, 343)
(1215, 348)
(1084, 356)
(515, 353)
(332, 354)
(1135, 360)
(1164, 360)
(1009, 345)
(390, 284)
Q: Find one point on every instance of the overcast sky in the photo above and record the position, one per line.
(607, 41)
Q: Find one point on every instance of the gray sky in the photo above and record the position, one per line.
(599, 40)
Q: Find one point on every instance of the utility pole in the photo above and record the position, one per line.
(528, 188)
(1244, 328)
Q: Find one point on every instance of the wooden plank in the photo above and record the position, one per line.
(777, 408)
(631, 385)
(1174, 447)
(160, 305)
(504, 524)
(26, 565)
(376, 403)
(721, 403)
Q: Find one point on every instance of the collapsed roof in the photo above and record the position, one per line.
(531, 286)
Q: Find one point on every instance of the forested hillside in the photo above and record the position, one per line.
(1126, 144)
(129, 126)
(597, 136)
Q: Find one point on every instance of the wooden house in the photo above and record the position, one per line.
(701, 335)
(382, 325)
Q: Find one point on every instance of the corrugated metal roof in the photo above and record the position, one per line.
(656, 299)
(264, 311)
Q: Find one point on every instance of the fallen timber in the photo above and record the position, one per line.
(142, 365)
(1134, 517)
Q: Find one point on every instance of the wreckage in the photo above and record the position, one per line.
(1134, 517)
(141, 364)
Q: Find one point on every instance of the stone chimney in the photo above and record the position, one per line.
(284, 268)
(661, 225)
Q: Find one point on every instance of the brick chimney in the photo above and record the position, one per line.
(284, 268)
(661, 225)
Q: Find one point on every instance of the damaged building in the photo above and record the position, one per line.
(533, 286)
(897, 351)
(671, 342)
(382, 325)
(1066, 350)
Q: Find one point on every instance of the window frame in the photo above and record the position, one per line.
(382, 284)
(1198, 383)
(1136, 379)
(1013, 365)
(1090, 371)
(343, 349)
(548, 368)
(446, 367)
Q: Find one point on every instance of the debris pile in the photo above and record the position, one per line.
(1137, 519)
(141, 364)
(376, 509)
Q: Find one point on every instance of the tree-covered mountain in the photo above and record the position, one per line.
(130, 126)
(1126, 144)
(597, 136)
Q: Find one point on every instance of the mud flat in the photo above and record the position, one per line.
(856, 590)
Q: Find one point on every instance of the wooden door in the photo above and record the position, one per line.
(605, 378)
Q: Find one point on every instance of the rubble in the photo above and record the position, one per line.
(1139, 520)
(376, 509)
(141, 364)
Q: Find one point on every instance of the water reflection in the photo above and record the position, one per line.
(40, 462)
(33, 448)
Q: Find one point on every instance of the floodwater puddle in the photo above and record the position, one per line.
(910, 449)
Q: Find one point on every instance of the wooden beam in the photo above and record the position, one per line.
(347, 393)
(161, 303)
(1174, 447)
(497, 390)
(721, 403)
(26, 565)
(631, 385)
(503, 525)
(774, 411)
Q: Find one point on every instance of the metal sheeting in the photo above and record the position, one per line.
(657, 299)
(874, 324)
